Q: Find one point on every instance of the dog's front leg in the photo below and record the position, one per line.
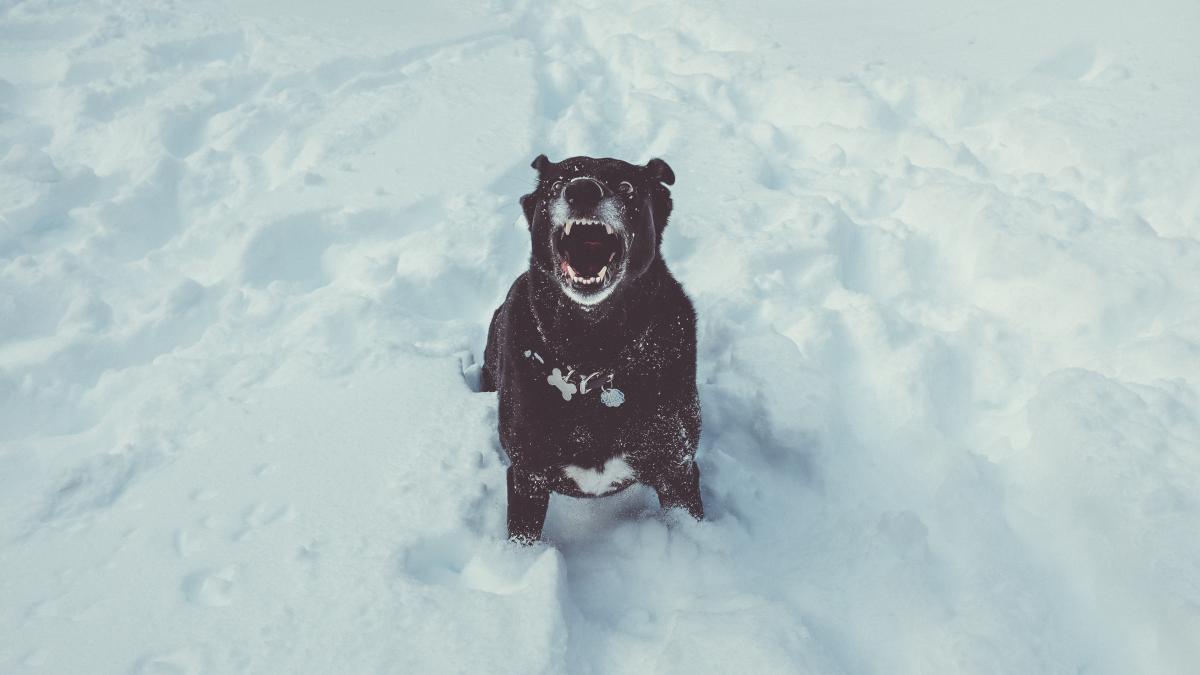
(528, 498)
(680, 488)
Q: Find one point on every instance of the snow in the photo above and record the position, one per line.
(946, 261)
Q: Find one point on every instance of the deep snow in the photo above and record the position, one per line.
(946, 260)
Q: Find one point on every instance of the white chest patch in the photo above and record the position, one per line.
(594, 482)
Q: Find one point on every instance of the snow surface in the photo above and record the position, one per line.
(946, 259)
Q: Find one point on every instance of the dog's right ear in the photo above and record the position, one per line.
(540, 163)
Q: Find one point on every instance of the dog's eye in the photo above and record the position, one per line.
(625, 188)
(556, 187)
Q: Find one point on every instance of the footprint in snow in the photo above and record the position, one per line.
(182, 661)
(211, 588)
(259, 516)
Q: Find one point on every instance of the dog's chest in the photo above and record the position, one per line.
(615, 473)
(574, 386)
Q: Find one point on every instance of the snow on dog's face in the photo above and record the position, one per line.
(595, 224)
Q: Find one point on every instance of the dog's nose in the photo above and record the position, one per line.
(584, 192)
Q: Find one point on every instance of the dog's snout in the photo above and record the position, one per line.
(584, 192)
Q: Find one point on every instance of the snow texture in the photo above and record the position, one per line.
(946, 261)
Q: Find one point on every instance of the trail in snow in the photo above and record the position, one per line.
(945, 263)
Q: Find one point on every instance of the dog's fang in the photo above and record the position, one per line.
(611, 256)
(608, 228)
(602, 271)
(567, 229)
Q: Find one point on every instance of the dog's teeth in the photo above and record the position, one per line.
(611, 256)
(608, 228)
(567, 229)
(600, 276)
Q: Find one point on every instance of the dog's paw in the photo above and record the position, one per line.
(523, 540)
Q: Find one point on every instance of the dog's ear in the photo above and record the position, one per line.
(541, 163)
(660, 171)
(528, 202)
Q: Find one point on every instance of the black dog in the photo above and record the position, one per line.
(594, 350)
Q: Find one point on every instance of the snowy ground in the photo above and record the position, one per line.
(946, 259)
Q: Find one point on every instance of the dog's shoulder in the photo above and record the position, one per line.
(518, 289)
(676, 298)
(672, 312)
(505, 329)
(660, 335)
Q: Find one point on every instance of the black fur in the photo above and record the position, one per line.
(640, 340)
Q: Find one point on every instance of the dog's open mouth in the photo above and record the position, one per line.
(589, 254)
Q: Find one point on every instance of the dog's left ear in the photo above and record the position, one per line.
(660, 171)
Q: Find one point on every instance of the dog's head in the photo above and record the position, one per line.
(595, 224)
